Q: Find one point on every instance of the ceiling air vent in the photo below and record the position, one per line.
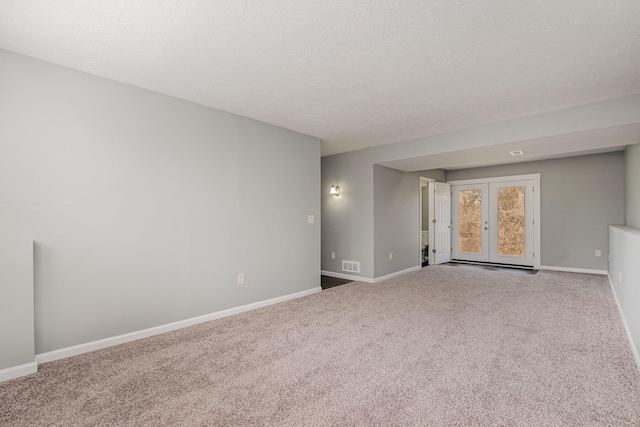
(351, 266)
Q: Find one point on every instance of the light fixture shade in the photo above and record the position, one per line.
(335, 190)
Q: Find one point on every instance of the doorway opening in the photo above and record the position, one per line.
(435, 235)
(425, 218)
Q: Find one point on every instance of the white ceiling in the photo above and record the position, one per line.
(354, 73)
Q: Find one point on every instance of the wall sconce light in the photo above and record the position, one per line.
(335, 190)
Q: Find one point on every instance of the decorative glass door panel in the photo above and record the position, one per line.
(470, 213)
(511, 221)
(470, 221)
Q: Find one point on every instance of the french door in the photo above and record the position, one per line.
(493, 222)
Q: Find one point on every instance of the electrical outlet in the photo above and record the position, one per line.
(333, 255)
(311, 219)
(598, 252)
(620, 277)
(241, 279)
(390, 255)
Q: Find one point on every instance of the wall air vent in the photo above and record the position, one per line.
(351, 266)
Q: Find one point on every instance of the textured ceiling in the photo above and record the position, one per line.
(353, 73)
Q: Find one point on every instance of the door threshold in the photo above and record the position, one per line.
(494, 265)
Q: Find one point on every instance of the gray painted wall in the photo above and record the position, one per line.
(632, 190)
(580, 197)
(397, 216)
(16, 304)
(352, 214)
(347, 220)
(396, 204)
(143, 206)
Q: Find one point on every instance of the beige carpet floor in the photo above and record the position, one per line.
(442, 346)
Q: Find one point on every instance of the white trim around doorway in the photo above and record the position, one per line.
(424, 182)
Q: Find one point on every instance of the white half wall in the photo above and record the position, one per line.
(624, 275)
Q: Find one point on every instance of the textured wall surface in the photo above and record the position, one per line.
(145, 208)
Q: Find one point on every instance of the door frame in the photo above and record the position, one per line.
(537, 253)
(424, 182)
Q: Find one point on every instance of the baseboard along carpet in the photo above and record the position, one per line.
(441, 346)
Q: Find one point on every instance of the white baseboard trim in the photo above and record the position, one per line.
(368, 279)
(397, 273)
(573, 270)
(346, 276)
(18, 371)
(132, 336)
(634, 349)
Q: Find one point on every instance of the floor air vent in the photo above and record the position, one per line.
(351, 266)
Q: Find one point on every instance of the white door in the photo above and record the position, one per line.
(511, 222)
(470, 214)
(440, 225)
(493, 222)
